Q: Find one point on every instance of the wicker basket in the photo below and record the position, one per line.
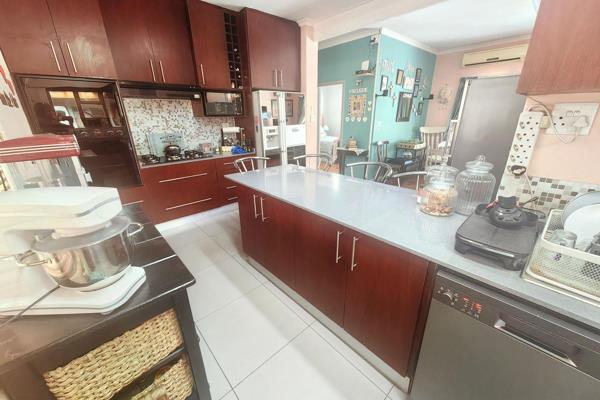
(570, 271)
(176, 383)
(104, 371)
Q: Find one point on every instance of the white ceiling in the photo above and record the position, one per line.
(294, 9)
(454, 24)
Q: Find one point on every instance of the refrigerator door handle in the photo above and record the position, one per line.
(275, 78)
(280, 78)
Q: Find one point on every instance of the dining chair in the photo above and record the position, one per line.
(436, 151)
(325, 160)
(382, 170)
(242, 164)
(401, 175)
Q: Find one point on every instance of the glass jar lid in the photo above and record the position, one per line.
(442, 173)
(479, 165)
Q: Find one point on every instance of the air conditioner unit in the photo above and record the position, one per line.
(495, 55)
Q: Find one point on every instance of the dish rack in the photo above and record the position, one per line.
(570, 271)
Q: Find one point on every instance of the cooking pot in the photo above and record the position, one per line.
(91, 261)
(172, 150)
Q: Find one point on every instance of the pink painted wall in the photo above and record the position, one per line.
(449, 70)
(577, 161)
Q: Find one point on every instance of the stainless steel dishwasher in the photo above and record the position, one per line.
(482, 345)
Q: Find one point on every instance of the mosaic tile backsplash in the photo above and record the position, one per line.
(171, 116)
(552, 193)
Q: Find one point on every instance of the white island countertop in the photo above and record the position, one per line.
(390, 214)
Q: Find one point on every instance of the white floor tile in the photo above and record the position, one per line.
(174, 223)
(245, 333)
(184, 234)
(242, 260)
(218, 286)
(291, 304)
(307, 369)
(218, 224)
(216, 379)
(397, 394)
(360, 363)
(231, 242)
(200, 254)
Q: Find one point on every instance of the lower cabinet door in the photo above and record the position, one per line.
(250, 224)
(321, 260)
(383, 297)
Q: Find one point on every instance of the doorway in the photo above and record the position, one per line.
(331, 104)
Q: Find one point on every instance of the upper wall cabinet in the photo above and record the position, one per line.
(150, 43)
(564, 51)
(273, 51)
(207, 24)
(55, 37)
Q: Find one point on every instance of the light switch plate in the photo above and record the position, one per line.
(565, 115)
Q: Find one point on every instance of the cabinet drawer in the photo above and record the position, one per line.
(228, 192)
(178, 172)
(225, 165)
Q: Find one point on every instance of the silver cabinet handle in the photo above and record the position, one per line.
(152, 69)
(256, 214)
(280, 78)
(231, 187)
(232, 198)
(187, 204)
(72, 59)
(228, 163)
(55, 56)
(262, 210)
(275, 77)
(202, 74)
(352, 263)
(337, 247)
(182, 177)
(501, 326)
(162, 71)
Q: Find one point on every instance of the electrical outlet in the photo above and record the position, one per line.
(573, 118)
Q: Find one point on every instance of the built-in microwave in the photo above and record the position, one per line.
(223, 103)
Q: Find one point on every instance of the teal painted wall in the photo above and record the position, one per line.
(338, 64)
(394, 55)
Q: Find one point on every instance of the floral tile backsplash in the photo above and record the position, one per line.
(171, 116)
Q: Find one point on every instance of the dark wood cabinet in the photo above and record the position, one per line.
(28, 39)
(207, 24)
(82, 38)
(55, 37)
(150, 44)
(273, 46)
(563, 54)
(321, 262)
(383, 297)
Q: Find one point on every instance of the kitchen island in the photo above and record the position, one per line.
(34, 345)
(382, 213)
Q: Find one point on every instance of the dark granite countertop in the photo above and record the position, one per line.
(165, 274)
(216, 156)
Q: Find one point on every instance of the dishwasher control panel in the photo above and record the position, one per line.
(458, 300)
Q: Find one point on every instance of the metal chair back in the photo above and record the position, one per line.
(325, 160)
(242, 164)
(382, 171)
(401, 175)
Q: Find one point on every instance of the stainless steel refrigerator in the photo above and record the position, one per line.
(279, 126)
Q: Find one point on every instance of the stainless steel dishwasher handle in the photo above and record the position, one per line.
(337, 247)
(501, 326)
(353, 265)
(256, 214)
(262, 210)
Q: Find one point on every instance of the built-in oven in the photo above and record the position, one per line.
(92, 111)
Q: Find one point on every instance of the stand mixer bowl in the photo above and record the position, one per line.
(90, 261)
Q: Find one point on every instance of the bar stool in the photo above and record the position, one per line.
(322, 158)
(382, 170)
(241, 163)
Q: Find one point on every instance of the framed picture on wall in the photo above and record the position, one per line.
(404, 107)
(384, 83)
(409, 83)
(415, 90)
(400, 77)
(418, 75)
(420, 108)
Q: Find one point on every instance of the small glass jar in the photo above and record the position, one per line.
(439, 194)
(475, 185)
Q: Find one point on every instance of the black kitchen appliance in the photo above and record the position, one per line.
(500, 231)
(91, 110)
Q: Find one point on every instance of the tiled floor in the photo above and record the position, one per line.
(257, 343)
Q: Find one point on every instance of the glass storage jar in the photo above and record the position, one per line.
(439, 194)
(475, 185)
